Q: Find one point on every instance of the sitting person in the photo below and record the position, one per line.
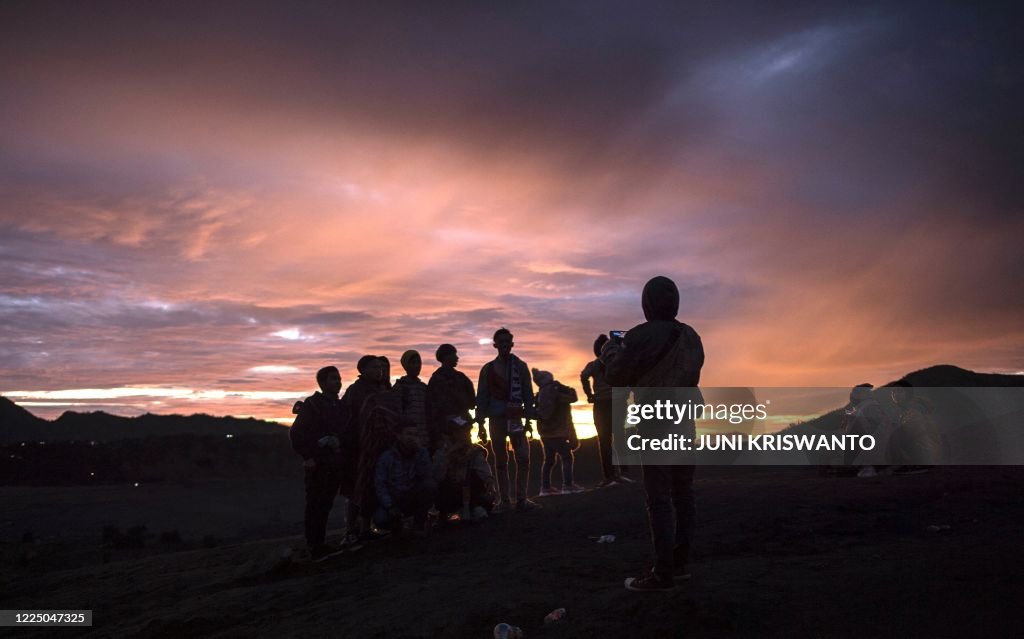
(403, 482)
(557, 431)
(864, 416)
(465, 481)
(916, 443)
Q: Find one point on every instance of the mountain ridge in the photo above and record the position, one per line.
(18, 424)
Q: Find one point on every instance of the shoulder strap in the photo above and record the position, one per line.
(676, 366)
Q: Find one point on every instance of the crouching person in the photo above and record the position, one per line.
(404, 482)
(465, 481)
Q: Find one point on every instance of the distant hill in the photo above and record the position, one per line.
(17, 425)
(971, 421)
(949, 376)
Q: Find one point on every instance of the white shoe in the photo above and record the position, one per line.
(572, 489)
(548, 492)
(479, 513)
(867, 471)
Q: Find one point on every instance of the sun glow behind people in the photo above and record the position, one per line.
(213, 215)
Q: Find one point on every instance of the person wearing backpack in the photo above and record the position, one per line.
(317, 436)
(662, 353)
(557, 431)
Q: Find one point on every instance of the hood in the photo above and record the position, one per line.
(860, 394)
(660, 299)
(542, 378)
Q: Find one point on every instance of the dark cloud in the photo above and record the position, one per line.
(188, 191)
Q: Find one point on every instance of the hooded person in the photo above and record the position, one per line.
(662, 353)
(557, 431)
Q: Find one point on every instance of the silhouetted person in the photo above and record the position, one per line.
(865, 416)
(916, 443)
(385, 372)
(465, 480)
(317, 435)
(449, 394)
(403, 482)
(601, 397)
(661, 353)
(382, 416)
(504, 396)
(557, 431)
(413, 393)
(369, 383)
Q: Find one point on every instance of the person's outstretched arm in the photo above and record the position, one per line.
(547, 402)
(619, 363)
(585, 381)
(301, 434)
(529, 401)
(483, 395)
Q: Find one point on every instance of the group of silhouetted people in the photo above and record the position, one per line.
(399, 451)
(907, 435)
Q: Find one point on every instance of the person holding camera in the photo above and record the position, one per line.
(505, 398)
(661, 353)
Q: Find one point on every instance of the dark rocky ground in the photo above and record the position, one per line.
(779, 552)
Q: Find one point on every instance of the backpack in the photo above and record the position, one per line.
(679, 366)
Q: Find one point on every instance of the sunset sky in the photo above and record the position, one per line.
(201, 205)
